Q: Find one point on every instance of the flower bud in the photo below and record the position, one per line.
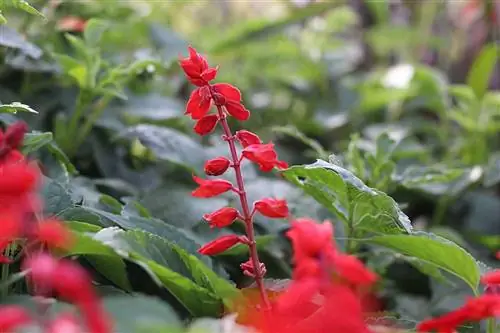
(220, 245)
(222, 217)
(217, 166)
(273, 208)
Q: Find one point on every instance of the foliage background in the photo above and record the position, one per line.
(400, 97)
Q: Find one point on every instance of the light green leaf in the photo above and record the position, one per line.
(36, 140)
(357, 205)
(435, 250)
(479, 75)
(20, 4)
(15, 107)
(94, 30)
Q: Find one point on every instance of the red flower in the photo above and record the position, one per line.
(64, 323)
(206, 124)
(491, 278)
(237, 110)
(42, 271)
(249, 270)
(210, 187)
(220, 245)
(52, 233)
(13, 317)
(14, 135)
(247, 138)
(310, 238)
(196, 68)
(222, 217)
(229, 96)
(217, 166)
(264, 155)
(199, 103)
(353, 270)
(273, 208)
(17, 179)
(71, 23)
(475, 309)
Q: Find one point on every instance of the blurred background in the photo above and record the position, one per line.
(403, 94)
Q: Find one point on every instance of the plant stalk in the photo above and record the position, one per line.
(252, 246)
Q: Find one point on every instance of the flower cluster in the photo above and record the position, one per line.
(227, 100)
(325, 281)
(474, 310)
(19, 208)
(327, 289)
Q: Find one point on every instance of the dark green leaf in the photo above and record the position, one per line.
(56, 197)
(435, 250)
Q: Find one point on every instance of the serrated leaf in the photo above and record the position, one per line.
(434, 250)
(15, 107)
(479, 75)
(345, 195)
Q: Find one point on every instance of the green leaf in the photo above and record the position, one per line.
(36, 140)
(435, 250)
(464, 94)
(295, 133)
(439, 180)
(15, 107)
(191, 285)
(94, 30)
(170, 145)
(492, 171)
(133, 313)
(20, 4)
(103, 257)
(380, 10)
(357, 205)
(56, 197)
(479, 75)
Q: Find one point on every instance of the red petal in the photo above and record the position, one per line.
(492, 277)
(198, 104)
(209, 74)
(219, 245)
(190, 69)
(206, 124)
(14, 134)
(228, 91)
(237, 110)
(247, 138)
(12, 317)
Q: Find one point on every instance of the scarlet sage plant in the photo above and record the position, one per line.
(20, 228)
(227, 101)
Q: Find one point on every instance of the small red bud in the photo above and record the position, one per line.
(220, 245)
(217, 166)
(222, 217)
(210, 187)
(247, 138)
(273, 208)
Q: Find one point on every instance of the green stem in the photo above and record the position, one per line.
(440, 211)
(73, 122)
(91, 119)
(491, 325)
(5, 272)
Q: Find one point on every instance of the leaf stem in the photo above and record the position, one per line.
(91, 119)
(491, 325)
(5, 272)
(247, 215)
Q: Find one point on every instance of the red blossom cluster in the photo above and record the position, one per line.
(20, 228)
(327, 289)
(474, 310)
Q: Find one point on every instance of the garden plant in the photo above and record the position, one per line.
(331, 170)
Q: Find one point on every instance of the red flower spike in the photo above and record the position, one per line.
(272, 208)
(199, 103)
(64, 323)
(210, 187)
(194, 66)
(222, 217)
(220, 245)
(53, 233)
(491, 278)
(237, 110)
(227, 90)
(14, 134)
(206, 124)
(209, 74)
(217, 166)
(247, 138)
(263, 155)
(13, 317)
